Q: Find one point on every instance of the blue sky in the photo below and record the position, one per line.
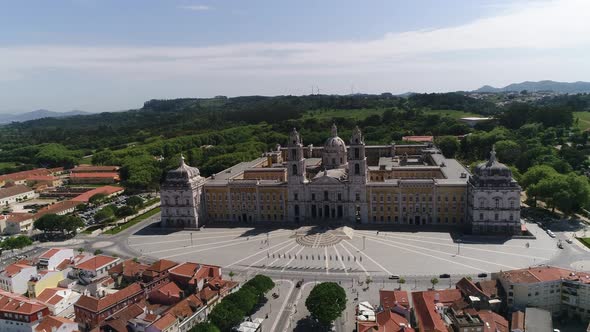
(100, 55)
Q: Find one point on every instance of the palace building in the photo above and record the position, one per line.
(410, 184)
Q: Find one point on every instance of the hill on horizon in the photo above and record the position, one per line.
(38, 114)
(547, 85)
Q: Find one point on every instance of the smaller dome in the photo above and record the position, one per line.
(184, 172)
(492, 167)
(334, 143)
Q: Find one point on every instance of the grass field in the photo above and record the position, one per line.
(361, 114)
(585, 241)
(132, 222)
(7, 164)
(356, 114)
(583, 120)
(454, 113)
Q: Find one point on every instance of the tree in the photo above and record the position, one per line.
(125, 211)
(401, 281)
(71, 224)
(449, 145)
(434, 281)
(226, 315)
(245, 299)
(204, 327)
(261, 284)
(48, 223)
(134, 201)
(508, 151)
(104, 214)
(97, 252)
(17, 242)
(326, 302)
(231, 275)
(97, 198)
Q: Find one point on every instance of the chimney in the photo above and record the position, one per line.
(436, 298)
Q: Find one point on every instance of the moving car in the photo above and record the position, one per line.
(444, 276)
(569, 241)
(394, 277)
(482, 275)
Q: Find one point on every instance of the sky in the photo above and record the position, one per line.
(110, 55)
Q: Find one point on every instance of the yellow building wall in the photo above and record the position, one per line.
(51, 279)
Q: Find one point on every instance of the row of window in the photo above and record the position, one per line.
(416, 208)
(243, 196)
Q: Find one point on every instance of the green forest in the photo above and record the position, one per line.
(215, 133)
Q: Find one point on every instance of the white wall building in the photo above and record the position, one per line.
(16, 193)
(15, 277)
(50, 259)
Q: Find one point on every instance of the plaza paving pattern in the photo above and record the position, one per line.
(359, 252)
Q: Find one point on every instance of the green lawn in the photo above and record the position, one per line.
(7, 164)
(454, 113)
(356, 114)
(583, 120)
(585, 241)
(133, 221)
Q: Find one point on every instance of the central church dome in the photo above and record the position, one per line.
(334, 154)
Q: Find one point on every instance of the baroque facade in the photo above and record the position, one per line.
(412, 184)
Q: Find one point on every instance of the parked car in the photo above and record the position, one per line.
(444, 276)
(394, 277)
(569, 241)
(482, 275)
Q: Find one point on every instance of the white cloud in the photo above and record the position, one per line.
(196, 7)
(541, 40)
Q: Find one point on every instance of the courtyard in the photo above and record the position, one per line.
(345, 253)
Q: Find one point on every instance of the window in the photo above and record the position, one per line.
(339, 196)
(481, 216)
(294, 170)
(496, 217)
(313, 197)
(357, 169)
(357, 153)
(326, 195)
(497, 202)
(295, 196)
(293, 154)
(511, 217)
(357, 196)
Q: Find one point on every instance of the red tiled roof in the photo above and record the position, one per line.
(164, 321)
(19, 217)
(19, 304)
(14, 190)
(489, 287)
(24, 174)
(388, 298)
(425, 308)
(418, 138)
(13, 269)
(129, 268)
(186, 269)
(207, 294)
(50, 323)
(162, 265)
(468, 288)
(49, 253)
(49, 295)
(110, 175)
(169, 289)
(42, 178)
(107, 190)
(517, 320)
(96, 305)
(186, 307)
(543, 274)
(493, 322)
(389, 321)
(88, 168)
(56, 208)
(96, 262)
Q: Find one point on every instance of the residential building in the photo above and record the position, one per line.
(157, 274)
(557, 290)
(127, 272)
(194, 276)
(52, 258)
(21, 177)
(95, 267)
(91, 311)
(14, 278)
(43, 181)
(411, 184)
(44, 279)
(94, 178)
(59, 208)
(60, 301)
(18, 223)
(167, 294)
(390, 298)
(517, 322)
(16, 193)
(56, 324)
(429, 308)
(181, 317)
(20, 314)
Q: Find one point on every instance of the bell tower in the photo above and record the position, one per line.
(295, 160)
(357, 159)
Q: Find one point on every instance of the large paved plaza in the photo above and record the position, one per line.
(346, 253)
